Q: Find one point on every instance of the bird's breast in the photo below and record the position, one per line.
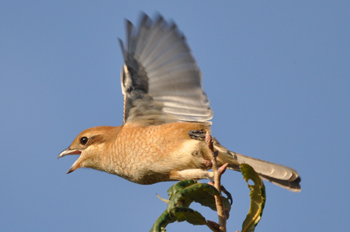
(146, 155)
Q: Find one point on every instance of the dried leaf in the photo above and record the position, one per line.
(257, 198)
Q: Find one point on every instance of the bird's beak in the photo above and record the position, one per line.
(68, 151)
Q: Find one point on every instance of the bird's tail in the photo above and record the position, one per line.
(280, 175)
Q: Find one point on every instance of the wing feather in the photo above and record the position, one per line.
(160, 80)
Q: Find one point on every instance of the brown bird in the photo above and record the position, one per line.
(166, 116)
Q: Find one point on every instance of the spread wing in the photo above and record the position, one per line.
(160, 79)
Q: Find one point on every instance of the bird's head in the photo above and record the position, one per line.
(90, 144)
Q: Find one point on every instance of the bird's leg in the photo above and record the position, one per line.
(191, 174)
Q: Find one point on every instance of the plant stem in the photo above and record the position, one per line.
(217, 184)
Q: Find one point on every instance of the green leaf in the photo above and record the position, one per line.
(191, 216)
(181, 195)
(163, 220)
(199, 192)
(179, 186)
(179, 214)
(257, 198)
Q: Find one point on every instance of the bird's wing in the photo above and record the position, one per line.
(160, 79)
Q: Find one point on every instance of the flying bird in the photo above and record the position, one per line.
(166, 117)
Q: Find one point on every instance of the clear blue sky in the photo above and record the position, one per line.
(277, 75)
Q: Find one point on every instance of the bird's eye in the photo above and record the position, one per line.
(83, 140)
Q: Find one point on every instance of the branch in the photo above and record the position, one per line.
(217, 184)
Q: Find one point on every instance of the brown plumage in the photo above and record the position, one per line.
(166, 114)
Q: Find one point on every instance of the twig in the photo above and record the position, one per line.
(217, 176)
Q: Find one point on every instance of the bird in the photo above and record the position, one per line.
(166, 117)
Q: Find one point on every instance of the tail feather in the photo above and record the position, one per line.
(290, 185)
(280, 175)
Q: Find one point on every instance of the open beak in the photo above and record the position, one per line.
(68, 151)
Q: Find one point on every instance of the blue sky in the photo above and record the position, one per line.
(277, 74)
